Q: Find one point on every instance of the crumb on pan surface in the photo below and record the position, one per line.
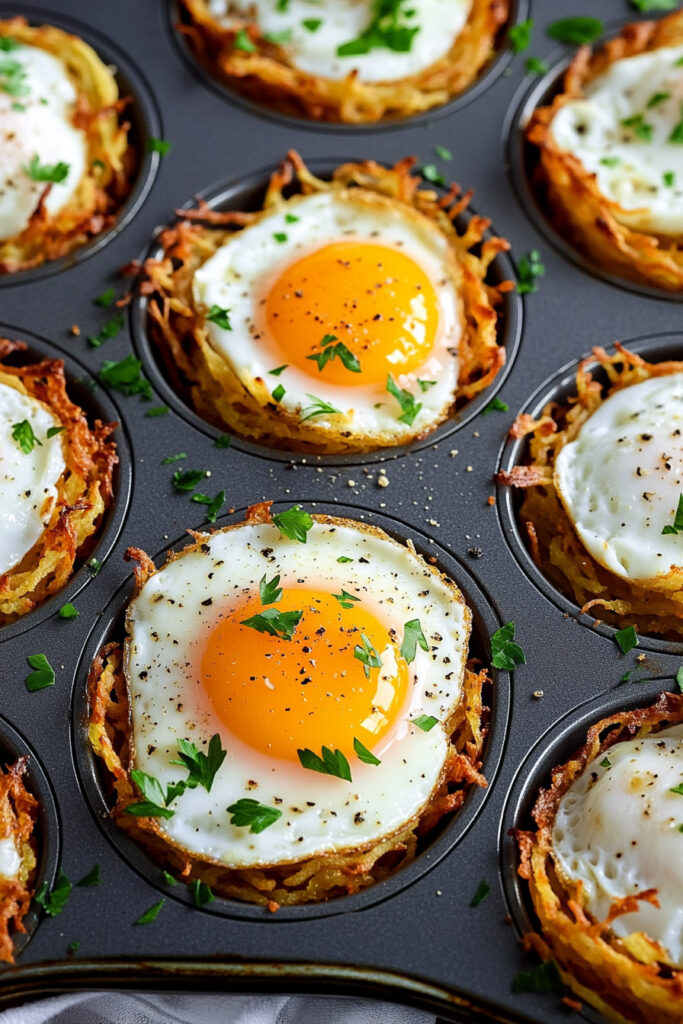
(84, 488)
(552, 539)
(627, 980)
(18, 816)
(226, 395)
(111, 160)
(296, 881)
(263, 70)
(570, 192)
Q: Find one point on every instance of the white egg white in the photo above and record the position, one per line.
(235, 275)
(638, 166)
(168, 624)
(10, 861)
(620, 480)
(315, 31)
(36, 121)
(28, 480)
(617, 831)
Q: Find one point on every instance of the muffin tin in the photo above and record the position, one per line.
(415, 937)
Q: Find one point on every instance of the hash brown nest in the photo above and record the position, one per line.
(244, 404)
(554, 544)
(83, 492)
(267, 75)
(313, 879)
(570, 193)
(111, 160)
(627, 980)
(18, 816)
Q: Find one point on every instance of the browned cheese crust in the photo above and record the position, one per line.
(84, 489)
(627, 980)
(267, 75)
(305, 881)
(214, 388)
(18, 815)
(654, 607)
(570, 193)
(111, 160)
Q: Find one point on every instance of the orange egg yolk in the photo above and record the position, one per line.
(373, 299)
(278, 695)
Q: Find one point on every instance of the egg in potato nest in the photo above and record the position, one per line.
(610, 153)
(352, 61)
(311, 675)
(350, 315)
(18, 816)
(603, 475)
(55, 481)
(65, 159)
(604, 869)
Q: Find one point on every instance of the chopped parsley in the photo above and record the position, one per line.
(214, 505)
(442, 152)
(13, 78)
(312, 24)
(178, 457)
(43, 674)
(7, 44)
(483, 889)
(425, 385)
(158, 410)
(677, 134)
(345, 599)
(280, 237)
(93, 877)
(387, 30)
(627, 638)
(151, 914)
(278, 37)
(544, 977)
(243, 42)
(331, 763)
(409, 407)
(642, 129)
(536, 66)
(654, 5)
(106, 298)
(431, 173)
(278, 370)
(610, 161)
(93, 565)
(367, 654)
(269, 590)
(412, 636)
(53, 901)
(201, 893)
(528, 269)
(53, 431)
(107, 331)
(274, 623)
(68, 611)
(160, 146)
(201, 767)
(294, 523)
(169, 879)
(343, 559)
(187, 479)
(669, 178)
(156, 801)
(279, 393)
(331, 351)
(605, 763)
(125, 376)
(656, 99)
(250, 813)
(364, 755)
(291, 218)
(223, 441)
(425, 722)
(22, 433)
(496, 405)
(318, 407)
(677, 525)
(54, 173)
(505, 653)
(519, 35)
(677, 789)
(219, 316)
(679, 678)
(576, 30)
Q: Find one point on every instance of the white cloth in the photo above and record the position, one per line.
(184, 1008)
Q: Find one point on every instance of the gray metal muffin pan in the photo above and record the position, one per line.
(414, 938)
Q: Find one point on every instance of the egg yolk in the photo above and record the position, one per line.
(278, 695)
(373, 299)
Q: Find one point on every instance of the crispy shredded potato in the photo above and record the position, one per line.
(83, 491)
(268, 76)
(652, 606)
(244, 404)
(111, 160)
(570, 193)
(627, 980)
(306, 881)
(18, 816)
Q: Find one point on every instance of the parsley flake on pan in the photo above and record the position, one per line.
(483, 889)
(170, 459)
(331, 763)
(223, 441)
(106, 298)
(22, 433)
(544, 977)
(202, 767)
(160, 146)
(412, 636)
(187, 479)
(274, 623)
(677, 526)
(214, 505)
(654, 5)
(125, 376)
(250, 813)
(576, 30)
(425, 722)
(496, 405)
(159, 410)
(627, 638)
(151, 914)
(107, 331)
(93, 566)
(366, 653)
(519, 35)
(528, 269)
(53, 901)
(201, 893)
(505, 653)
(679, 678)
(364, 754)
(294, 523)
(93, 877)
(68, 611)
(43, 674)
